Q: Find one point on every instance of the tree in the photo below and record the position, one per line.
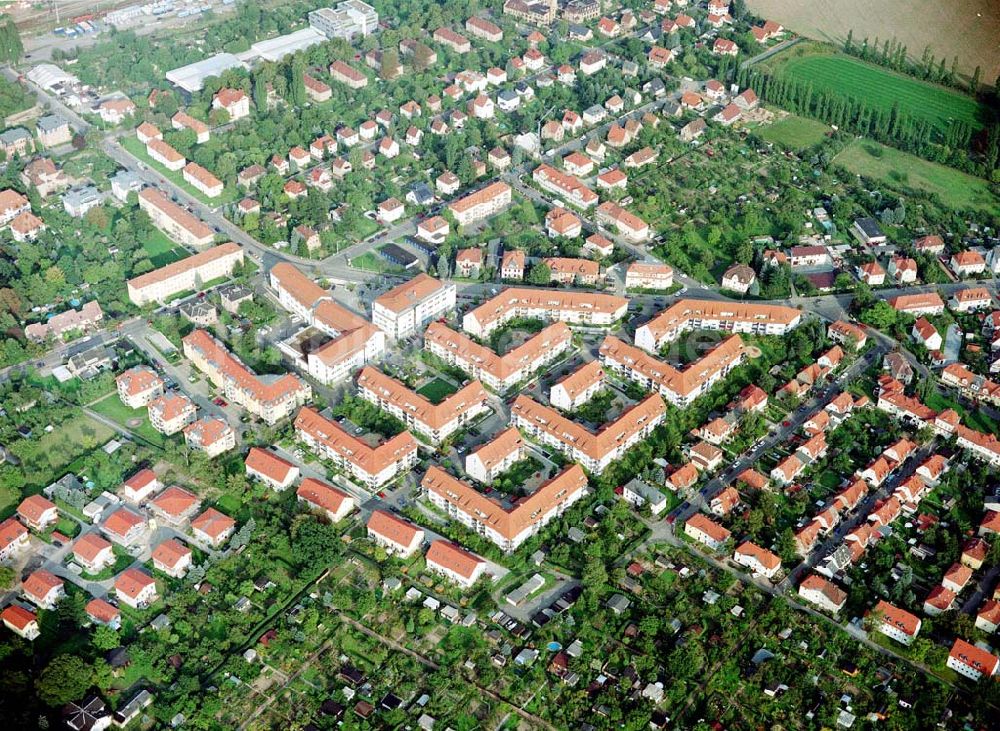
(8, 576)
(540, 274)
(296, 82)
(66, 678)
(105, 638)
(11, 48)
(974, 81)
(390, 64)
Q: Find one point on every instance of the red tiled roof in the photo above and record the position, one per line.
(448, 555)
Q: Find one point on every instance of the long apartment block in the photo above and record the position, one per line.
(595, 451)
(499, 372)
(735, 317)
(508, 528)
(161, 284)
(435, 422)
(679, 386)
(573, 308)
(270, 397)
(371, 466)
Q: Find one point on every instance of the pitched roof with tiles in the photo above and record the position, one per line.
(452, 557)
(213, 523)
(33, 507)
(393, 529)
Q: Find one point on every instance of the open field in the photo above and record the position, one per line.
(900, 169)
(47, 455)
(837, 73)
(795, 132)
(966, 28)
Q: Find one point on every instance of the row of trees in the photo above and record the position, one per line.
(894, 55)
(891, 126)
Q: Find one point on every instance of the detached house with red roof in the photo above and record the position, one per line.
(269, 468)
(705, 531)
(213, 527)
(140, 486)
(971, 661)
(37, 512)
(896, 623)
(823, 593)
(43, 589)
(93, 553)
(172, 558)
(318, 495)
(135, 588)
(234, 102)
(104, 613)
(175, 505)
(398, 537)
(22, 622)
(14, 538)
(455, 563)
(758, 560)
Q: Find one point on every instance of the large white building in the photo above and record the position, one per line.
(404, 310)
(349, 19)
(355, 341)
(161, 284)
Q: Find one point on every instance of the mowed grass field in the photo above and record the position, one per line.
(837, 73)
(900, 169)
(796, 132)
(162, 250)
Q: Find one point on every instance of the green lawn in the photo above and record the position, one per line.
(436, 390)
(162, 250)
(902, 170)
(132, 144)
(112, 407)
(796, 132)
(10, 497)
(45, 457)
(837, 73)
(372, 262)
(974, 419)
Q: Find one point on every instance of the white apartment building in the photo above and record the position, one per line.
(404, 310)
